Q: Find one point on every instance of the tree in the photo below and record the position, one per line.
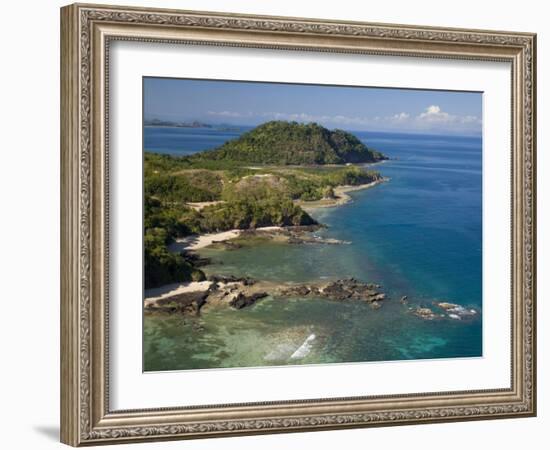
(329, 193)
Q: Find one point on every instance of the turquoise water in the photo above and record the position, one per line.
(418, 235)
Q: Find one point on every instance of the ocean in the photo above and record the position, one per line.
(417, 235)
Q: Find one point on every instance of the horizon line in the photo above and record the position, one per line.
(349, 130)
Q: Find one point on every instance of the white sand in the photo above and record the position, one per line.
(152, 295)
(204, 240)
(272, 228)
(341, 195)
(341, 191)
(198, 241)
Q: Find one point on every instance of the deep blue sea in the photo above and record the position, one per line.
(184, 141)
(419, 234)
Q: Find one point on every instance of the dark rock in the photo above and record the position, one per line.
(188, 303)
(336, 291)
(196, 259)
(314, 290)
(231, 279)
(339, 290)
(227, 245)
(351, 288)
(377, 297)
(242, 300)
(299, 290)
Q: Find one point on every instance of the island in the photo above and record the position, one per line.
(172, 124)
(292, 143)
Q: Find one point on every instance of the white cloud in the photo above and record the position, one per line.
(233, 114)
(433, 113)
(471, 119)
(433, 118)
(402, 116)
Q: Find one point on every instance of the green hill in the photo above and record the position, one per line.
(292, 143)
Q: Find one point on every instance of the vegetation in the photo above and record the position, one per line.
(245, 214)
(156, 163)
(293, 143)
(164, 267)
(242, 196)
(192, 186)
(309, 185)
(162, 225)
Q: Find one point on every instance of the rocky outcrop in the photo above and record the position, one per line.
(235, 292)
(241, 292)
(242, 300)
(217, 291)
(227, 245)
(196, 259)
(339, 290)
(246, 281)
(300, 290)
(295, 235)
(188, 303)
(309, 239)
(446, 311)
(424, 313)
(456, 312)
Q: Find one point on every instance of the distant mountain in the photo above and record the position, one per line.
(284, 143)
(168, 123)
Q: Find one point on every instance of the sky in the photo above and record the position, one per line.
(348, 108)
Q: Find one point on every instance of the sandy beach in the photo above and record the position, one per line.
(169, 290)
(341, 196)
(198, 241)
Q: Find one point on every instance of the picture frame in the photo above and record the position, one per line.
(87, 32)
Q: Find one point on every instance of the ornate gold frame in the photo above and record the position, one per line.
(86, 31)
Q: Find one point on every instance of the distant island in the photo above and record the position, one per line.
(265, 179)
(168, 123)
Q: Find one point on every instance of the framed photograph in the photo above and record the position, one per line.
(275, 224)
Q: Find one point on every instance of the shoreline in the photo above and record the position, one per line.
(154, 295)
(200, 241)
(240, 292)
(219, 291)
(341, 194)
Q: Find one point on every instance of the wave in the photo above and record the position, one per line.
(304, 349)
